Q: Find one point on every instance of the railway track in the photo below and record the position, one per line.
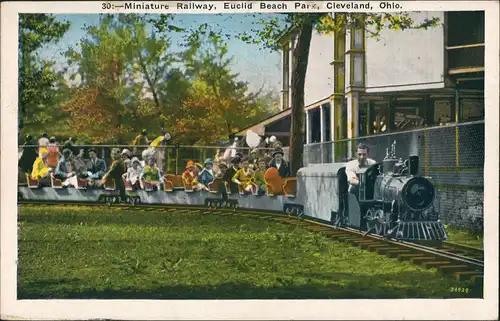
(452, 260)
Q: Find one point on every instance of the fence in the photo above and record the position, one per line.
(453, 156)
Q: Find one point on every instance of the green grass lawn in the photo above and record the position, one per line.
(103, 253)
(465, 237)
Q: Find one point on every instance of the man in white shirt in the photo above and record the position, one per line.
(353, 167)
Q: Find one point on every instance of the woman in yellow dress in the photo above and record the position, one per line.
(40, 168)
(243, 177)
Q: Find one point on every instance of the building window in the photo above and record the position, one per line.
(407, 117)
(443, 112)
(315, 125)
(358, 39)
(358, 70)
(380, 121)
(327, 122)
(343, 130)
(471, 109)
(465, 27)
(363, 119)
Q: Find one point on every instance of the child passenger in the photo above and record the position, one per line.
(133, 172)
(243, 177)
(207, 175)
(150, 175)
(258, 176)
(189, 176)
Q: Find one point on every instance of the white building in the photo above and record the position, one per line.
(358, 86)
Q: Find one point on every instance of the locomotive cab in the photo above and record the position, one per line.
(353, 203)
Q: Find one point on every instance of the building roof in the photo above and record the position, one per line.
(285, 34)
(260, 128)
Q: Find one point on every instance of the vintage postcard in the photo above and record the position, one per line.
(249, 160)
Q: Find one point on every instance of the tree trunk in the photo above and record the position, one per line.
(150, 84)
(301, 54)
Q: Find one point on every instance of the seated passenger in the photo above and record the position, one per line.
(254, 159)
(258, 176)
(40, 169)
(189, 176)
(352, 168)
(29, 154)
(133, 174)
(146, 155)
(80, 166)
(65, 169)
(279, 163)
(229, 174)
(116, 172)
(43, 143)
(220, 170)
(126, 155)
(207, 174)
(96, 167)
(150, 175)
(53, 156)
(243, 177)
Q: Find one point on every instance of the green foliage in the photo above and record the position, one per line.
(40, 88)
(128, 78)
(74, 252)
(219, 103)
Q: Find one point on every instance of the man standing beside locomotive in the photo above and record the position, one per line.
(353, 167)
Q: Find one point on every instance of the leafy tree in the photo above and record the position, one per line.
(268, 32)
(219, 104)
(119, 65)
(100, 105)
(40, 88)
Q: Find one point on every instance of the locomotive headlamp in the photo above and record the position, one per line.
(418, 194)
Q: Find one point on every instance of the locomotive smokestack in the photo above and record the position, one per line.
(413, 165)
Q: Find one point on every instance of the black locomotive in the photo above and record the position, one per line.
(392, 200)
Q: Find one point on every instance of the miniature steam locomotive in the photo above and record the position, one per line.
(392, 200)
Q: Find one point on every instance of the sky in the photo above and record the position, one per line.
(260, 68)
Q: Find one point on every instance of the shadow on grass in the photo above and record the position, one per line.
(342, 286)
(115, 218)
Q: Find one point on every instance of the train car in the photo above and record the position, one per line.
(280, 194)
(392, 199)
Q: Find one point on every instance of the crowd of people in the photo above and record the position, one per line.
(143, 166)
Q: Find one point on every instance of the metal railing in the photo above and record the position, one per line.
(172, 158)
